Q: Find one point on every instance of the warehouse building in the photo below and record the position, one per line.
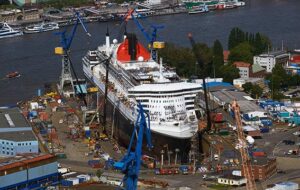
(263, 167)
(16, 136)
(34, 171)
(224, 93)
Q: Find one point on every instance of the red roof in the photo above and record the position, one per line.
(24, 162)
(123, 52)
(241, 64)
(226, 54)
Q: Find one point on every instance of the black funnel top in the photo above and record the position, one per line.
(132, 42)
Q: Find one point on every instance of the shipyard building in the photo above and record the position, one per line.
(28, 172)
(16, 136)
(270, 59)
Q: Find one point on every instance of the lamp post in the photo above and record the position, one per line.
(169, 157)
(167, 146)
(176, 154)
(162, 158)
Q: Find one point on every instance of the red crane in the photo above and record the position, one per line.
(242, 146)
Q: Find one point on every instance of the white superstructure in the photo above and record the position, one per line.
(135, 77)
(43, 27)
(6, 31)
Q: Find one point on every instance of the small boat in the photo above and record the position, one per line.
(7, 31)
(43, 27)
(199, 9)
(13, 75)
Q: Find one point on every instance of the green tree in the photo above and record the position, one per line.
(180, 58)
(218, 57)
(266, 43)
(256, 91)
(242, 52)
(236, 37)
(258, 46)
(229, 72)
(247, 87)
(277, 95)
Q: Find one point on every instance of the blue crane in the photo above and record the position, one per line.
(66, 76)
(130, 164)
(66, 41)
(150, 38)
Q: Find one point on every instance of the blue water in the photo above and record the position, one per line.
(33, 55)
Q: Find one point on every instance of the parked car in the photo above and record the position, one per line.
(288, 142)
(281, 172)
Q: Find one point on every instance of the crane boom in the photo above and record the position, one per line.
(150, 39)
(242, 145)
(130, 164)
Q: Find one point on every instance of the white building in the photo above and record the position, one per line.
(270, 59)
(232, 180)
(244, 68)
(238, 83)
(16, 136)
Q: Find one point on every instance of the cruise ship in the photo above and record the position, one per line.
(7, 31)
(135, 77)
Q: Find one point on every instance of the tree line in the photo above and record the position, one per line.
(244, 45)
(184, 60)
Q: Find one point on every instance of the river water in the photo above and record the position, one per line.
(33, 55)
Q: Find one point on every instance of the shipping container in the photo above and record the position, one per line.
(264, 129)
(61, 155)
(66, 183)
(75, 181)
(219, 117)
(284, 114)
(88, 134)
(93, 162)
(258, 154)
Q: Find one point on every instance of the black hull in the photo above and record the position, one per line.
(123, 129)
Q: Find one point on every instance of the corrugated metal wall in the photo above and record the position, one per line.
(42, 170)
(33, 173)
(14, 178)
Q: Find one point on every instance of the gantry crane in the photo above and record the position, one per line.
(64, 50)
(242, 146)
(130, 164)
(153, 44)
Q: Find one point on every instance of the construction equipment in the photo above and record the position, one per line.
(242, 146)
(153, 44)
(66, 75)
(130, 164)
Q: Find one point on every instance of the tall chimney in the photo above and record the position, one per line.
(132, 42)
(125, 33)
(107, 41)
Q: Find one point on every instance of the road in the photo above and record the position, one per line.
(272, 144)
